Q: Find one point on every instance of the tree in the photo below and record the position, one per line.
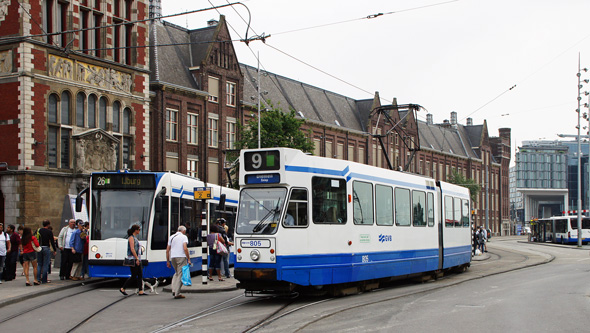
(278, 129)
(457, 178)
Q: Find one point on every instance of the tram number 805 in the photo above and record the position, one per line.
(255, 243)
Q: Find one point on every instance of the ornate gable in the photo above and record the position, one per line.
(96, 150)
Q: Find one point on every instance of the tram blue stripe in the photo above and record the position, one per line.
(324, 269)
(320, 171)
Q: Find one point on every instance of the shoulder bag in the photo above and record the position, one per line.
(129, 262)
(35, 247)
(221, 249)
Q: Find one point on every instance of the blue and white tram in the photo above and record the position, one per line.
(306, 221)
(159, 202)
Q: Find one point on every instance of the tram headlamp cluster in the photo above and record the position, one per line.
(142, 249)
(94, 248)
(255, 255)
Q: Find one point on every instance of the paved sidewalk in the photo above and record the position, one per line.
(16, 291)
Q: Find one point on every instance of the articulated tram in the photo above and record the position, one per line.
(307, 222)
(159, 202)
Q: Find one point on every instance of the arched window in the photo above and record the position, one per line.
(116, 116)
(80, 112)
(65, 108)
(59, 136)
(92, 111)
(102, 113)
(52, 109)
(126, 121)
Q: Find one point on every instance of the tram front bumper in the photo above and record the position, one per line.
(255, 274)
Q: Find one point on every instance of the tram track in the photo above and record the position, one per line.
(52, 301)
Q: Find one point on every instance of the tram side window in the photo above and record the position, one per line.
(188, 218)
(297, 209)
(457, 214)
(418, 208)
(160, 227)
(561, 226)
(449, 220)
(403, 209)
(174, 215)
(384, 204)
(585, 223)
(465, 213)
(362, 202)
(430, 207)
(328, 200)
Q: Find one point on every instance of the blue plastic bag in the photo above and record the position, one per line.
(186, 275)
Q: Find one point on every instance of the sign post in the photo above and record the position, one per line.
(203, 193)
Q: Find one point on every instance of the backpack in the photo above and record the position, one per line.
(38, 235)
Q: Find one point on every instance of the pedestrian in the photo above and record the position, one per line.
(485, 239)
(77, 245)
(221, 226)
(63, 242)
(29, 255)
(133, 253)
(20, 231)
(44, 257)
(177, 256)
(85, 236)
(12, 255)
(4, 249)
(214, 258)
(480, 238)
(54, 245)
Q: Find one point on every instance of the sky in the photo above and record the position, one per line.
(512, 63)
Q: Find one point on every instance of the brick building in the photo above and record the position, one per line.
(74, 99)
(196, 88)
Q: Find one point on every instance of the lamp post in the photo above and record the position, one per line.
(579, 153)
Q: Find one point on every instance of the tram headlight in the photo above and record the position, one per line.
(94, 248)
(142, 249)
(255, 255)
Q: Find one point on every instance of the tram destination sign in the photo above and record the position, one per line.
(202, 193)
(124, 181)
(265, 160)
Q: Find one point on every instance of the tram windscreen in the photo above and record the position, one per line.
(260, 210)
(115, 211)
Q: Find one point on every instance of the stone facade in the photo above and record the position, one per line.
(71, 103)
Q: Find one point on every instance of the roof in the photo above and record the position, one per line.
(308, 101)
(449, 139)
(171, 63)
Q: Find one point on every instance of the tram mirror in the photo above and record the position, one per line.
(79, 203)
(221, 206)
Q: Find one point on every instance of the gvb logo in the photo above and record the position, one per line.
(385, 238)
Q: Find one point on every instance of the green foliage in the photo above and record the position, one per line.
(457, 178)
(278, 129)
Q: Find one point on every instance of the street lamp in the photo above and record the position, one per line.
(580, 86)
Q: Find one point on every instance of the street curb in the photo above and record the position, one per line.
(20, 298)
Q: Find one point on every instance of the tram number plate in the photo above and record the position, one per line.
(255, 243)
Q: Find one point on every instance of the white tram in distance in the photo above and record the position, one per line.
(307, 222)
(562, 229)
(159, 202)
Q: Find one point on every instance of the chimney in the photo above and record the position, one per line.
(469, 122)
(429, 119)
(212, 22)
(454, 118)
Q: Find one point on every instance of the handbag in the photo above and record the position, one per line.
(186, 275)
(221, 249)
(129, 262)
(35, 247)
